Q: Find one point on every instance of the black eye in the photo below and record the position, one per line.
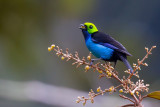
(90, 26)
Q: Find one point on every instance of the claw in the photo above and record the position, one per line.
(91, 62)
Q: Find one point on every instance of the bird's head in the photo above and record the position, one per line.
(90, 27)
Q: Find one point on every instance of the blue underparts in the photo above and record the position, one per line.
(98, 50)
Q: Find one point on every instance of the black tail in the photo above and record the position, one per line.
(124, 60)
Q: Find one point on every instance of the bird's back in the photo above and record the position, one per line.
(108, 41)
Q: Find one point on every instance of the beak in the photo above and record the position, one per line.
(82, 26)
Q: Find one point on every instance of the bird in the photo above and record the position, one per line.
(103, 46)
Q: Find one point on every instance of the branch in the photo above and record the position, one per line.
(106, 70)
(142, 61)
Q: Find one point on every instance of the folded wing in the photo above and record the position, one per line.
(108, 41)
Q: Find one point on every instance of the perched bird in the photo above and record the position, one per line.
(103, 46)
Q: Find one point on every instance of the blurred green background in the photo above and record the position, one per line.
(29, 27)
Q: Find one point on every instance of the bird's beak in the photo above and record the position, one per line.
(82, 26)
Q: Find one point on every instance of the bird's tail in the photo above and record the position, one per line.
(124, 59)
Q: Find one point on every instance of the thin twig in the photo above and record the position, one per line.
(141, 62)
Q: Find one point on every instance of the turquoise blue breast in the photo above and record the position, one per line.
(98, 50)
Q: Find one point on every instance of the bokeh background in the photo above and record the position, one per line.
(30, 76)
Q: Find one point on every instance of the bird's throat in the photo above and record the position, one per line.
(86, 34)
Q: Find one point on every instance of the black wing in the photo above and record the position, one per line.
(108, 41)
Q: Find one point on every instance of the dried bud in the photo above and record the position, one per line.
(58, 54)
(62, 58)
(154, 46)
(111, 88)
(89, 58)
(137, 76)
(79, 97)
(84, 103)
(146, 48)
(91, 90)
(87, 67)
(145, 64)
(98, 89)
(52, 46)
(49, 49)
(131, 93)
(111, 68)
(100, 71)
(126, 71)
(83, 97)
(134, 65)
(106, 90)
(129, 70)
(121, 90)
(109, 74)
(137, 93)
(92, 101)
(106, 69)
(77, 101)
(147, 85)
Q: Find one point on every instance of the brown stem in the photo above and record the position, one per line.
(128, 105)
(117, 87)
(135, 98)
(143, 97)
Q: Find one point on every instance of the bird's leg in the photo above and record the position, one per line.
(92, 60)
(106, 62)
(114, 65)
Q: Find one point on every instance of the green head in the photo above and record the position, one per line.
(90, 27)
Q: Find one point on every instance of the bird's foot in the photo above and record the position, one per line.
(92, 60)
(115, 72)
(91, 63)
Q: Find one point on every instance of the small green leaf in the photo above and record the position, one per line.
(155, 95)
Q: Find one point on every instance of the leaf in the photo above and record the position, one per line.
(155, 95)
